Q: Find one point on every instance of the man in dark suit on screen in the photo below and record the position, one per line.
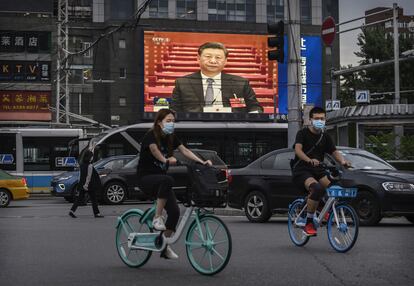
(211, 88)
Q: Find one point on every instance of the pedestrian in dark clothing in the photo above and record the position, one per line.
(90, 182)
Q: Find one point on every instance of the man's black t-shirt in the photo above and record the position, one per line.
(308, 140)
(148, 164)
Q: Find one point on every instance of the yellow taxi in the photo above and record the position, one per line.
(12, 188)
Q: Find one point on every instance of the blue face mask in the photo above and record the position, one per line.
(168, 128)
(318, 124)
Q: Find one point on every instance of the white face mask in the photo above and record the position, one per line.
(168, 128)
(318, 124)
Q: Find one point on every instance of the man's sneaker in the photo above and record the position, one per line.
(310, 229)
(99, 215)
(72, 214)
(158, 223)
(168, 253)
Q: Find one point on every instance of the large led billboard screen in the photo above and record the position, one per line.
(249, 83)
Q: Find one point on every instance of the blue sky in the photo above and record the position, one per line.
(350, 9)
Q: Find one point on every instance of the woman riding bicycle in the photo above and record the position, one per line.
(156, 155)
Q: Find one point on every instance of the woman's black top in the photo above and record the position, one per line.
(148, 164)
(89, 178)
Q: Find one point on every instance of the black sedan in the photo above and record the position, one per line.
(265, 186)
(122, 184)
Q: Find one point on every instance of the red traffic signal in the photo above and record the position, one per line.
(277, 30)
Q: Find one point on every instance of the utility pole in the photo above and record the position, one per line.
(396, 54)
(294, 71)
(62, 75)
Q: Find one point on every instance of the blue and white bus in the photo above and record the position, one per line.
(38, 154)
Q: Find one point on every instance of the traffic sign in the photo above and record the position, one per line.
(331, 105)
(328, 31)
(328, 105)
(362, 96)
(336, 104)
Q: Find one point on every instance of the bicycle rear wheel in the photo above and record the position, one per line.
(343, 230)
(296, 232)
(208, 246)
(131, 257)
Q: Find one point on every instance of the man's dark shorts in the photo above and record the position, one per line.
(301, 174)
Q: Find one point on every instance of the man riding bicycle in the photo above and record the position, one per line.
(310, 146)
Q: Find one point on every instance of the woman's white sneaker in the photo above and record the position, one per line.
(158, 223)
(168, 253)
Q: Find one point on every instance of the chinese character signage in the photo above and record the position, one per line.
(24, 71)
(311, 73)
(24, 101)
(31, 42)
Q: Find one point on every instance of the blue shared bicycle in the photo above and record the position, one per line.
(342, 223)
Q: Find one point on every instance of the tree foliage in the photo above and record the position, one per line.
(376, 46)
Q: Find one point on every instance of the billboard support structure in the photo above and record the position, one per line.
(62, 74)
(294, 71)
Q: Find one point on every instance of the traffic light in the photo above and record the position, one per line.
(277, 42)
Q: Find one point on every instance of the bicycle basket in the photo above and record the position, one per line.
(205, 190)
(340, 192)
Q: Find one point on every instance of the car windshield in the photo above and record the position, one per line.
(363, 160)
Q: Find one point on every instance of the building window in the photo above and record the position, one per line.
(306, 12)
(88, 53)
(122, 101)
(122, 73)
(275, 10)
(122, 44)
(187, 9)
(158, 9)
(120, 10)
(235, 10)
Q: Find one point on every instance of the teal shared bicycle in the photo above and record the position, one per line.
(208, 240)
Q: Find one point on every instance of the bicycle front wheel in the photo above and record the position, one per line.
(343, 228)
(208, 245)
(296, 223)
(131, 257)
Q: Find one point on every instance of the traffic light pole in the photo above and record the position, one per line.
(294, 71)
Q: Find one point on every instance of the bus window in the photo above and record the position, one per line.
(8, 147)
(39, 153)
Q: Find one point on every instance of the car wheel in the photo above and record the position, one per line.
(5, 198)
(256, 207)
(115, 193)
(367, 207)
(410, 218)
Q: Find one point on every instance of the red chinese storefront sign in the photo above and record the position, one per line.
(24, 105)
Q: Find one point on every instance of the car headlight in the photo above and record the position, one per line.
(103, 175)
(398, 187)
(65, 178)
